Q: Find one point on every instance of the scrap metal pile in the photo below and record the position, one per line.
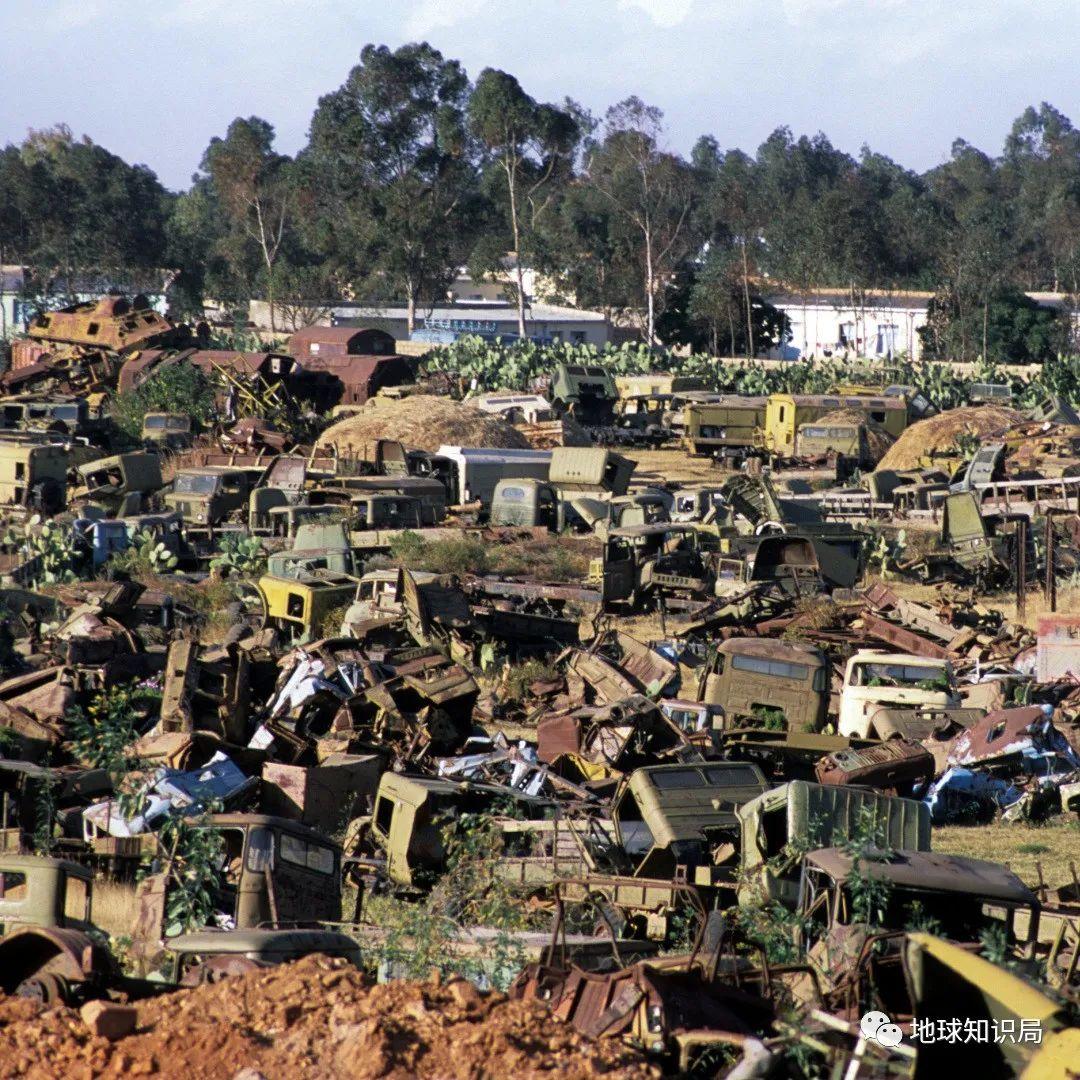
(724, 815)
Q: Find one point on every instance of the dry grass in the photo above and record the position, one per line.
(114, 907)
(941, 432)
(422, 422)
(1019, 847)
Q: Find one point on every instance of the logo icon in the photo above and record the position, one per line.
(877, 1027)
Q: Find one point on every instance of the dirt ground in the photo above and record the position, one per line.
(317, 1018)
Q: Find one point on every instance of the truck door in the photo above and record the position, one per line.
(619, 570)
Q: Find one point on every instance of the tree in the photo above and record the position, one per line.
(651, 191)
(975, 231)
(389, 156)
(732, 214)
(704, 307)
(71, 210)
(532, 147)
(252, 184)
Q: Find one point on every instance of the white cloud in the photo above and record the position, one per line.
(665, 13)
(432, 15)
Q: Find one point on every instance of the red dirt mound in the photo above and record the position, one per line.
(315, 1018)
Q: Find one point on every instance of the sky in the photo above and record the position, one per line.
(155, 80)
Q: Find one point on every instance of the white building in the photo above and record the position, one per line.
(826, 322)
(487, 319)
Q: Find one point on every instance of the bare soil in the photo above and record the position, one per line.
(316, 1018)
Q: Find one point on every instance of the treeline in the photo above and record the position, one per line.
(411, 170)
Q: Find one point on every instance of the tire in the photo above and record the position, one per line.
(47, 988)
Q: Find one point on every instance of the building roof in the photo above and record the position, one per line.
(475, 312)
(877, 299)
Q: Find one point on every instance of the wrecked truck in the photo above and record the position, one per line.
(875, 680)
(776, 824)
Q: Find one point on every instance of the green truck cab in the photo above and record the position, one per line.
(755, 680)
(799, 814)
(46, 917)
(585, 391)
(170, 431)
(644, 560)
(298, 606)
(207, 496)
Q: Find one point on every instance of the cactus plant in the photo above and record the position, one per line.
(49, 548)
(239, 554)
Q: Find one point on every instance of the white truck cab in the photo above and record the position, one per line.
(874, 680)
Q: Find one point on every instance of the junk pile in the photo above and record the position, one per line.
(709, 832)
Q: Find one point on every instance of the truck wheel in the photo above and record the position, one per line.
(47, 988)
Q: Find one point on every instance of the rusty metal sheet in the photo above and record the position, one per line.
(607, 681)
(652, 671)
(894, 764)
(905, 640)
(557, 735)
(999, 734)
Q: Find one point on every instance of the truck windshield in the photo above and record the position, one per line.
(886, 674)
(193, 484)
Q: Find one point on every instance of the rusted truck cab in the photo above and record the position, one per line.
(46, 951)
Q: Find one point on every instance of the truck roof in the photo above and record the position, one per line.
(25, 863)
(492, 454)
(769, 648)
(881, 656)
(927, 870)
(693, 796)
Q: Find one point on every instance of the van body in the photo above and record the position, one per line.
(727, 426)
(515, 408)
(750, 678)
(875, 680)
(784, 413)
(590, 469)
(478, 470)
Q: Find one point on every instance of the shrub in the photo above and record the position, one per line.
(180, 388)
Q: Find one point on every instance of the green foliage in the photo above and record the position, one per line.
(883, 551)
(145, 555)
(423, 937)
(177, 388)
(51, 545)
(454, 555)
(515, 679)
(869, 894)
(194, 853)
(43, 839)
(239, 554)
(101, 736)
(768, 718)
(1017, 330)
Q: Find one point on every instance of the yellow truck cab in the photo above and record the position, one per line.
(784, 413)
